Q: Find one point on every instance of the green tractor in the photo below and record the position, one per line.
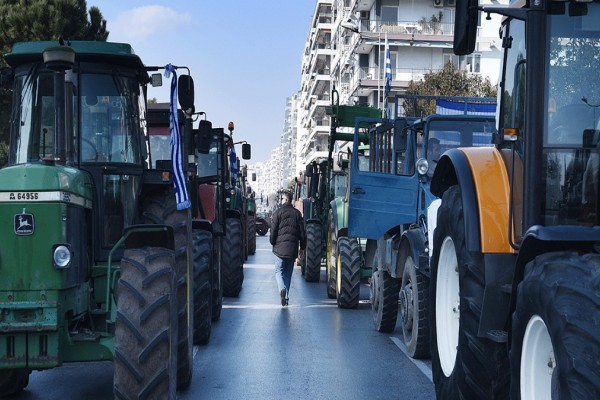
(337, 247)
(95, 262)
(235, 245)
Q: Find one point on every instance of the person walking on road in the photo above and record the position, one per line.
(287, 232)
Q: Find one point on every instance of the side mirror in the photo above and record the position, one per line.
(156, 80)
(465, 26)
(244, 172)
(204, 136)
(254, 176)
(246, 151)
(185, 91)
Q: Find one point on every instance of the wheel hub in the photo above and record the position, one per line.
(407, 306)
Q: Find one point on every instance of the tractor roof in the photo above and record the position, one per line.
(119, 53)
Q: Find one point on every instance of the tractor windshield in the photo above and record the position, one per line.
(110, 107)
(571, 141)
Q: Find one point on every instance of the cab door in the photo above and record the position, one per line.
(383, 182)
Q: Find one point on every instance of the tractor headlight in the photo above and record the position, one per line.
(422, 166)
(61, 256)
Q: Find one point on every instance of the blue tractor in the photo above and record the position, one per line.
(390, 204)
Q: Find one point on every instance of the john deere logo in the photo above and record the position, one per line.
(24, 224)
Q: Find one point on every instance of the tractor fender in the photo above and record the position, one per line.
(483, 179)
(339, 218)
(202, 224)
(412, 243)
(229, 213)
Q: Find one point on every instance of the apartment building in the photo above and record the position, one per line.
(345, 49)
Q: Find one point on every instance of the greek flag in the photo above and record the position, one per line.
(181, 194)
(388, 78)
(233, 164)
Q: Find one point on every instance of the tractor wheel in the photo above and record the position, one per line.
(13, 381)
(348, 272)
(330, 267)
(232, 272)
(146, 325)
(555, 343)
(162, 209)
(251, 235)
(203, 282)
(217, 288)
(312, 253)
(414, 310)
(384, 300)
(464, 366)
(261, 226)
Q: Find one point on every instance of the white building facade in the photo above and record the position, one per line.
(345, 48)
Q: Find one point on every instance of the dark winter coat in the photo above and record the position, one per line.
(287, 231)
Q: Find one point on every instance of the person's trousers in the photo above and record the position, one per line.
(283, 273)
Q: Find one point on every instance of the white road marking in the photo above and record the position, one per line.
(424, 368)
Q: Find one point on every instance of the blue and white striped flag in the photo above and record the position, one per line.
(388, 78)
(181, 194)
(233, 165)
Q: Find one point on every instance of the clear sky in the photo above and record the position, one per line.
(245, 55)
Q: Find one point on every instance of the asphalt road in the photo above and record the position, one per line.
(261, 350)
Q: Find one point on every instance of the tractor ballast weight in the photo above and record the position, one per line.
(97, 252)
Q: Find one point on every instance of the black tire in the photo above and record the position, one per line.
(232, 273)
(471, 367)
(251, 235)
(348, 273)
(217, 288)
(330, 267)
(414, 310)
(384, 300)
(312, 253)
(262, 227)
(203, 282)
(146, 325)
(13, 381)
(162, 209)
(559, 293)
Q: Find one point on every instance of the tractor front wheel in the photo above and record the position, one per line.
(146, 326)
(464, 365)
(348, 272)
(384, 300)
(554, 352)
(312, 253)
(201, 256)
(232, 271)
(414, 309)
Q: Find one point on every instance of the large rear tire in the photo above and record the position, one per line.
(414, 310)
(203, 282)
(13, 381)
(384, 300)
(555, 346)
(232, 272)
(464, 366)
(162, 209)
(348, 272)
(330, 267)
(146, 327)
(312, 253)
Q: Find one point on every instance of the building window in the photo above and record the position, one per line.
(469, 63)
